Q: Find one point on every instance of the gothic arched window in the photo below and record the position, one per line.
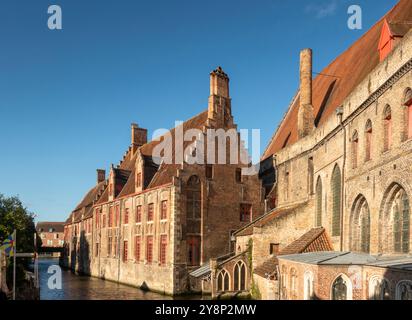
(239, 278)
(223, 281)
(395, 217)
(368, 140)
(308, 286)
(336, 201)
(342, 288)
(404, 290)
(387, 128)
(360, 226)
(319, 202)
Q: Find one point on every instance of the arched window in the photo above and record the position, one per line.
(387, 128)
(308, 286)
(341, 288)
(355, 145)
(360, 226)
(336, 201)
(368, 140)
(404, 290)
(407, 102)
(319, 202)
(239, 278)
(223, 281)
(395, 225)
(293, 284)
(378, 289)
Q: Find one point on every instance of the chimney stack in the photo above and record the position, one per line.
(305, 115)
(219, 110)
(139, 137)
(101, 175)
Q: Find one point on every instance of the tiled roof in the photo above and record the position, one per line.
(315, 240)
(46, 226)
(350, 68)
(167, 171)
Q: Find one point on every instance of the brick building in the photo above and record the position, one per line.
(150, 223)
(342, 157)
(51, 234)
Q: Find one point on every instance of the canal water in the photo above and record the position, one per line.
(75, 287)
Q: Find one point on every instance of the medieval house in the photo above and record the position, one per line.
(150, 222)
(343, 158)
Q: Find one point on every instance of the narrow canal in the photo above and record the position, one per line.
(75, 287)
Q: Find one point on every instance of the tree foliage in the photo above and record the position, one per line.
(13, 215)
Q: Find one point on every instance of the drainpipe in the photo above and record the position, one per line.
(339, 113)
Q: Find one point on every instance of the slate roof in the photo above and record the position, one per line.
(350, 68)
(46, 226)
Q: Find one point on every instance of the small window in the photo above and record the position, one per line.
(138, 214)
(97, 249)
(137, 248)
(163, 213)
(274, 248)
(126, 215)
(150, 210)
(239, 175)
(245, 212)
(125, 250)
(209, 171)
(149, 249)
(163, 249)
(138, 180)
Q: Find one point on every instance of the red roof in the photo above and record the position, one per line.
(350, 68)
(315, 240)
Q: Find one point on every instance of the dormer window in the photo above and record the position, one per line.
(390, 35)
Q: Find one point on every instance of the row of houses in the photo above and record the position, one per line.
(326, 216)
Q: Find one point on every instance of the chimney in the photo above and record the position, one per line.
(305, 115)
(101, 175)
(219, 110)
(139, 137)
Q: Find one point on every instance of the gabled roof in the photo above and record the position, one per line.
(348, 70)
(315, 240)
(46, 226)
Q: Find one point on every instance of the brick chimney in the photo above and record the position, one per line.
(305, 115)
(139, 136)
(219, 109)
(101, 175)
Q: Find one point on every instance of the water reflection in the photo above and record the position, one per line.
(76, 287)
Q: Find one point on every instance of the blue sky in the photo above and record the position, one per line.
(67, 97)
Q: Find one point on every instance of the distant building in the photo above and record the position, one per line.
(51, 234)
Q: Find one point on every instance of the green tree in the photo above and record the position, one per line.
(14, 216)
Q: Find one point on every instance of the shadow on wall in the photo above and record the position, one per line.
(84, 255)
